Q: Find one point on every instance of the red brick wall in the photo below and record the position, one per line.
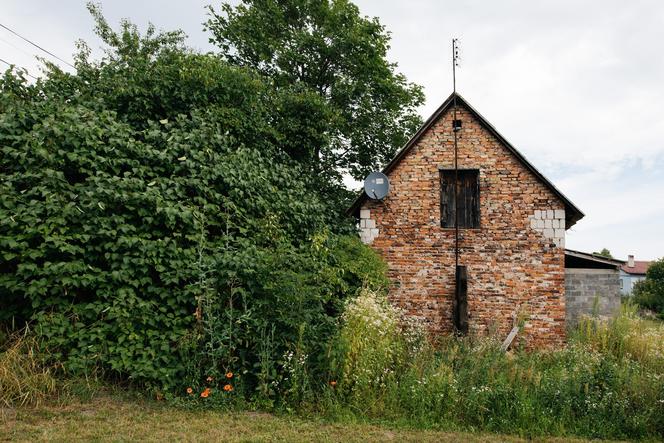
(510, 265)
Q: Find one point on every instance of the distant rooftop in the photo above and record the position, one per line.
(640, 267)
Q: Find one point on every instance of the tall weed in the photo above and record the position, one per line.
(625, 336)
(607, 382)
(24, 379)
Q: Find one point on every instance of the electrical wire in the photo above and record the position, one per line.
(37, 46)
(16, 67)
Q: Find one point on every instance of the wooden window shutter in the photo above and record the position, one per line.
(469, 198)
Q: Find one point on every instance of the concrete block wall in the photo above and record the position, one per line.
(551, 224)
(591, 292)
(368, 230)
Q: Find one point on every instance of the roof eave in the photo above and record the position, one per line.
(594, 257)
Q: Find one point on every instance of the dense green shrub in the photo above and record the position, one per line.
(649, 293)
(145, 196)
(101, 226)
(265, 305)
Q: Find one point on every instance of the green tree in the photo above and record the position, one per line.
(353, 106)
(604, 253)
(649, 293)
(150, 186)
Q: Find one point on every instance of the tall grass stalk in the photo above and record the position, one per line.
(625, 336)
(24, 380)
(607, 382)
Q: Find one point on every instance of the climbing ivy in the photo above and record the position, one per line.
(138, 194)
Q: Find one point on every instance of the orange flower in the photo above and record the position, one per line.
(205, 393)
(190, 391)
(209, 379)
(333, 383)
(229, 375)
(228, 388)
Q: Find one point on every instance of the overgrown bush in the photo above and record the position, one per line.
(649, 293)
(606, 383)
(150, 219)
(266, 309)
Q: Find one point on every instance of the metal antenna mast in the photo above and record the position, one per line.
(455, 63)
(460, 303)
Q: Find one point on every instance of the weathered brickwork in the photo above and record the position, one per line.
(513, 264)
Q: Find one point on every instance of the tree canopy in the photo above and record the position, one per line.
(347, 97)
(604, 253)
(152, 224)
(649, 293)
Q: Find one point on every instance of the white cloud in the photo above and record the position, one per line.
(576, 86)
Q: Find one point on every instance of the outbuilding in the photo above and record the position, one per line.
(512, 223)
(592, 285)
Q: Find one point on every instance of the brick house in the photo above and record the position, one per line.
(512, 224)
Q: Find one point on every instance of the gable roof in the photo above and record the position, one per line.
(572, 213)
(640, 267)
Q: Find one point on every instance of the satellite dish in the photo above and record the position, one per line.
(376, 185)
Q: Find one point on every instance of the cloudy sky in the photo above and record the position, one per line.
(576, 86)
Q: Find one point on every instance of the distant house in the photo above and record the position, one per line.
(632, 272)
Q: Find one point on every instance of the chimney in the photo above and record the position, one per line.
(630, 261)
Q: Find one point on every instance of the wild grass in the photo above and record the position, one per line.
(607, 382)
(626, 336)
(109, 418)
(24, 379)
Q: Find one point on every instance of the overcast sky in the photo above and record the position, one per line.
(576, 86)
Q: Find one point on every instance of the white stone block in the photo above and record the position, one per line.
(365, 213)
(538, 214)
(559, 233)
(363, 223)
(533, 223)
(549, 213)
(540, 224)
(548, 224)
(548, 233)
(555, 223)
(374, 232)
(370, 223)
(560, 213)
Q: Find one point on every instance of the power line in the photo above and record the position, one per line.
(16, 47)
(16, 67)
(37, 46)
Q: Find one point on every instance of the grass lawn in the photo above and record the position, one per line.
(112, 419)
